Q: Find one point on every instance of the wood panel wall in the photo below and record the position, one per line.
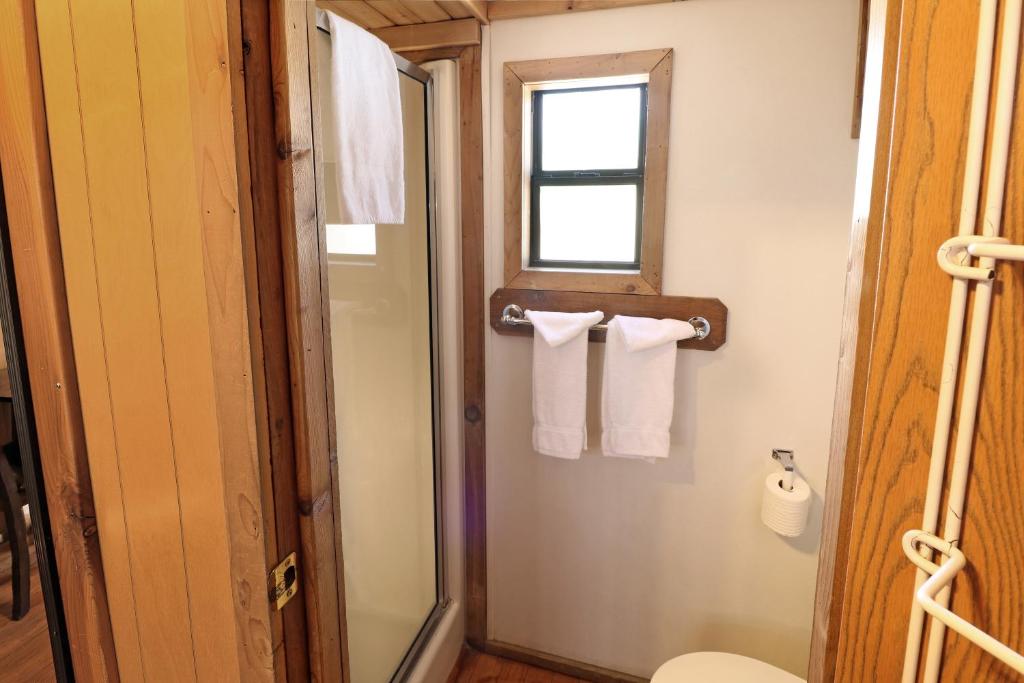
(35, 245)
(915, 207)
(139, 113)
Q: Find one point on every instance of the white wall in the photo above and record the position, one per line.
(441, 653)
(624, 564)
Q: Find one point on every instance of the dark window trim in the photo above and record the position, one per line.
(584, 177)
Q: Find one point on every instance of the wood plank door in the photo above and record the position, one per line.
(915, 207)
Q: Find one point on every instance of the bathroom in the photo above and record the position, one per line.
(518, 340)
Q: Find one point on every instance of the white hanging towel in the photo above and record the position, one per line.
(368, 126)
(560, 381)
(638, 389)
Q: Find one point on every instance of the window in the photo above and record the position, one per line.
(587, 177)
(586, 144)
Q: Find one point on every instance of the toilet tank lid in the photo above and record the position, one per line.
(720, 667)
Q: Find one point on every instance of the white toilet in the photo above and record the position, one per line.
(720, 667)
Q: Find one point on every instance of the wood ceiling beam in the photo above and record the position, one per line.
(518, 9)
(458, 32)
(478, 8)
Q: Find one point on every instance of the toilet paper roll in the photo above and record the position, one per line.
(785, 512)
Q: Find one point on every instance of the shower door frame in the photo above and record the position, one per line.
(289, 278)
(407, 68)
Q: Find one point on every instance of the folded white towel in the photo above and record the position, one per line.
(368, 126)
(560, 381)
(639, 386)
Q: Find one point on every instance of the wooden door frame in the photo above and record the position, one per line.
(285, 249)
(35, 245)
(878, 72)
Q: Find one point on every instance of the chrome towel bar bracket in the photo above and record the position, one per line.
(513, 316)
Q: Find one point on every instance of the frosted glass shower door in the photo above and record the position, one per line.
(384, 359)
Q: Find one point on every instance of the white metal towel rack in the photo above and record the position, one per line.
(932, 589)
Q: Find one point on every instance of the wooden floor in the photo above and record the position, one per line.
(24, 644)
(477, 667)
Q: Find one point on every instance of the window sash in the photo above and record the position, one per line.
(537, 183)
(588, 176)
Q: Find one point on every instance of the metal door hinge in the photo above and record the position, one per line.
(283, 582)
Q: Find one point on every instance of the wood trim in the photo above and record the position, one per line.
(657, 64)
(589, 66)
(478, 8)
(473, 331)
(271, 372)
(421, 56)
(498, 10)
(457, 32)
(35, 244)
(858, 78)
(562, 665)
(300, 245)
(313, 35)
(659, 97)
(860, 299)
(678, 307)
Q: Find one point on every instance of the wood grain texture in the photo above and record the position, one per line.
(516, 76)
(514, 187)
(105, 230)
(316, 111)
(659, 96)
(915, 209)
(588, 66)
(990, 593)
(854, 355)
(455, 32)
(477, 667)
(257, 366)
(32, 216)
(427, 11)
(141, 104)
(356, 11)
(300, 249)
(477, 8)
(473, 328)
(263, 159)
(220, 207)
(858, 78)
(553, 663)
(678, 307)
(456, 9)
(518, 9)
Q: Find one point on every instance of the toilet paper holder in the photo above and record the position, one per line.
(785, 457)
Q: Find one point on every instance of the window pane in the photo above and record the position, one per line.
(590, 129)
(588, 223)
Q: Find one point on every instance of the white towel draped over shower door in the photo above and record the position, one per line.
(368, 126)
(560, 381)
(638, 390)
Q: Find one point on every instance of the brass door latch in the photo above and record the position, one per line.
(283, 582)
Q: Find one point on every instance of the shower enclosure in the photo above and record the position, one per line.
(384, 361)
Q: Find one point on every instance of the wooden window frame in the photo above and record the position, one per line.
(520, 79)
(585, 177)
